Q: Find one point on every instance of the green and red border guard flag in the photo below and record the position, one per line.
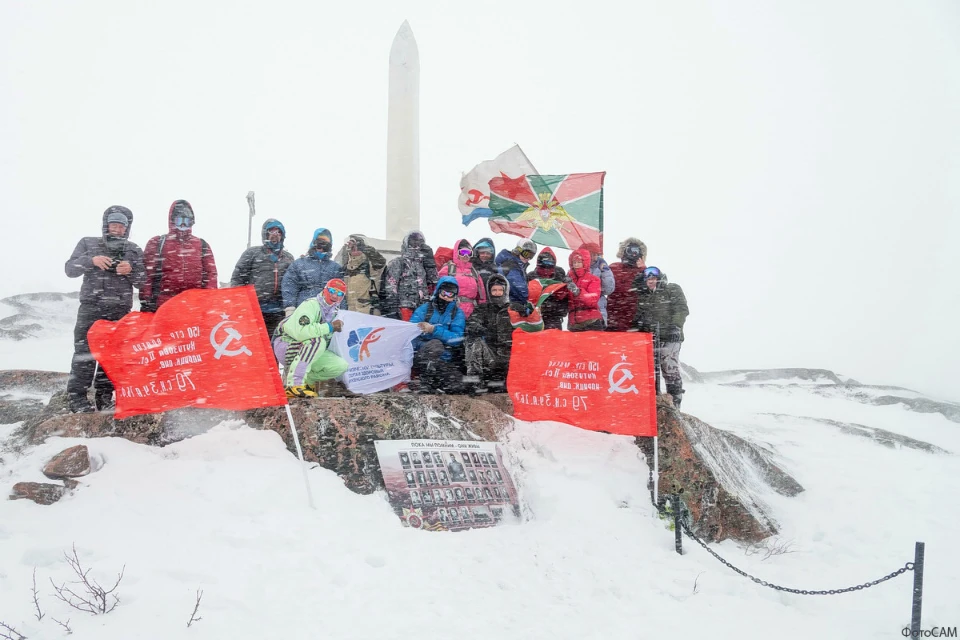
(564, 211)
(203, 348)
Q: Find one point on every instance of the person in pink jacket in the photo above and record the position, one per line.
(584, 288)
(472, 291)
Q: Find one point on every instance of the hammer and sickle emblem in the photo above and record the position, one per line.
(232, 335)
(617, 385)
(476, 197)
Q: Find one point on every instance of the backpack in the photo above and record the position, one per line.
(452, 272)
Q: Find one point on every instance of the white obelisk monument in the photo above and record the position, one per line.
(403, 136)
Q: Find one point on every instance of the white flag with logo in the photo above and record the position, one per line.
(377, 350)
(474, 201)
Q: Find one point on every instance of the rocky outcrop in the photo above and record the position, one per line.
(721, 476)
(38, 315)
(949, 410)
(338, 433)
(880, 436)
(40, 492)
(714, 468)
(157, 429)
(69, 463)
(24, 394)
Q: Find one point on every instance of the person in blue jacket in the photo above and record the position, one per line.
(438, 349)
(513, 266)
(308, 274)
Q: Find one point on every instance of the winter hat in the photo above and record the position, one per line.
(592, 247)
(497, 279)
(118, 218)
(333, 292)
(528, 246)
(483, 244)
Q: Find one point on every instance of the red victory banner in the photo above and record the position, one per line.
(203, 348)
(592, 379)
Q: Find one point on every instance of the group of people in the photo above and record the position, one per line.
(467, 300)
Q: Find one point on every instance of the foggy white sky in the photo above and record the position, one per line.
(794, 166)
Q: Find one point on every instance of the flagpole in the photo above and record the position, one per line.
(520, 149)
(303, 464)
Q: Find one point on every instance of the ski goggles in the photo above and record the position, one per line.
(335, 292)
(448, 292)
(322, 245)
(547, 262)
(632, 252)
(465, 253)
(651, 272)
(182, 221)
(528, 254)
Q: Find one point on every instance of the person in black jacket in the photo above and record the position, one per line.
(662, 310)
(263, 267)
(111, 267)
(490, 338)
(483, 254)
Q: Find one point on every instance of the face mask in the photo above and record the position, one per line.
(321, 249)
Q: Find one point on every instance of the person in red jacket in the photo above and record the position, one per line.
(584, 288)
(177, 261)
(622, 303)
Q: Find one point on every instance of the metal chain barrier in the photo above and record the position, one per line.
(676, 504)
(803, 592)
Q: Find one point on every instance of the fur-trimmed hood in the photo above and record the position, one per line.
(636, 241)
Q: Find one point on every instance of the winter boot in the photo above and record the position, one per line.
(301, 391)
(104, 401)
(676, 390)
(79, 404)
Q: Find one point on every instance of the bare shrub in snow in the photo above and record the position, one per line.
(65, 625)
(9, 633)
(36, 599)
(196, 607)
(769, 548)
(92, 597)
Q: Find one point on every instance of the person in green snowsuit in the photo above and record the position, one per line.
(303, 344)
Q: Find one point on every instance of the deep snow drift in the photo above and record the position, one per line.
(226, 512)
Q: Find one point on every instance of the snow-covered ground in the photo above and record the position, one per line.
(226, 512)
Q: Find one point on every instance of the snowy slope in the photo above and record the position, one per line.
(225, 511)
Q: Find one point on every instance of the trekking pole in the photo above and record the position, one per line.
(253, 211)
(656, 357)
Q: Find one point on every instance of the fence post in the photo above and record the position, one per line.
(675, 499)
(917, 587)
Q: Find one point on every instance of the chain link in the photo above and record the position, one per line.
(803, 592)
